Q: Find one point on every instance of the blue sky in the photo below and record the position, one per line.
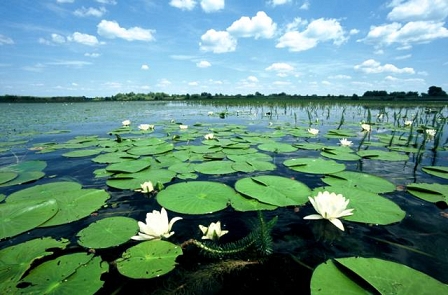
(104, 47)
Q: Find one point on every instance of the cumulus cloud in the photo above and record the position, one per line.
(111, 30)
(56, 38)
(96, 12)
(183, 4)
(418, 10)
(203, 64)
(212, 5)
(217, 42)
(320, 30)
(145, 67)
(372, 66)
(5, 40)
(282, 69)
(259, 26)
(411, 32)
(85, 39)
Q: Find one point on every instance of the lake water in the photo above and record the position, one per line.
(418, 241)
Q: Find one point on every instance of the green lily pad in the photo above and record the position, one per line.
(16, 260)
(21, 216)
(383, 155)
(27, 171)
(314, 165)
(439, 171)
(115, 157)
(195, 197)
(243, 204)
(149, 259)
(370, 208)
(7, 176)
(431, 192)
(67, 274)
(277, 147)
(132, 181)
(215, 167)
(82, 153)
(129, 166)
(274, 190)
(345, 154)
(382, 276)
(359, 180)
(151, 150)
(108, 232)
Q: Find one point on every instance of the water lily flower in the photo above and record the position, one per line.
(213, 231)
(145, 127)
(407, 123)
(156, 226)
(146, 187)
(183, 127)
(366, 127)
(431, 132)
(210, 113)
(313, 131)
(126, 123)
(330, 206)
(345, 142)
(209, 136)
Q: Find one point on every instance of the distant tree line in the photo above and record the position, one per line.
(434, 94)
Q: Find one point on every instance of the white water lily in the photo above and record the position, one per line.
(209, 136)
(330, 206)
(156, 226)
(213, 231)
(145, 127)
(210, 113)
(431, 133)
(345, 142)
(407, 123)
(313, 131)
(126, 123)
(366, 127)
(146, 187)
(183, 127)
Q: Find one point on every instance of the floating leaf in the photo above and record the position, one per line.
(195, 197)
(108, 232)
(352, 275)
(383, 155)
(314, 165)
(68, 274)
(21, 216)
(277, 147)
(148, 259)
(215, 167)
(129, 166)
(27, 171)
(439, 171)
(431, 192)
(151, 150)
(359, 180)
(274, 190)
(82, 153)
(7, 176)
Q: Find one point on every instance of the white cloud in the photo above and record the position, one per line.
(65, 1)
(145, 67)
(96, 12)
(252, 79)
(418, 10)
(411, 32)
(193, 83)
(85, 39)
(282, 69)
(111, 29)
(183, 4)
(163, 83)
(305, 5)
(217, 42)
(259, 26)
(320, 30)
(340, 77)
(56, 38)
(203, 64)
(5, 40)
(212, 5)
(278, 2)
(93, 55)
(111, 2)
(371, 66)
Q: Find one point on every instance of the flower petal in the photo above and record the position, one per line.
(337, 223)
(313, 216)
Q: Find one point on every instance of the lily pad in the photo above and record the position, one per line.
(359, 180)
(439, 171)
(7, 176)
(149, 259)
(215, 167)
(381, 276)
(277, 147)
(82, 153)
(108, 232)
(67, 274)
(21, 216)
(314, 165)
(151, 150)
(129, 166)
(274, 190)
(383, 155)
(431, 192)
(27, 171)
(195, 197)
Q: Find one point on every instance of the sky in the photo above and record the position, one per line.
(99, 48)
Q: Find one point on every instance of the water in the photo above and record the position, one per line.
(418, 241)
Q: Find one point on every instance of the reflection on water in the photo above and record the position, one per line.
(419, 241)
